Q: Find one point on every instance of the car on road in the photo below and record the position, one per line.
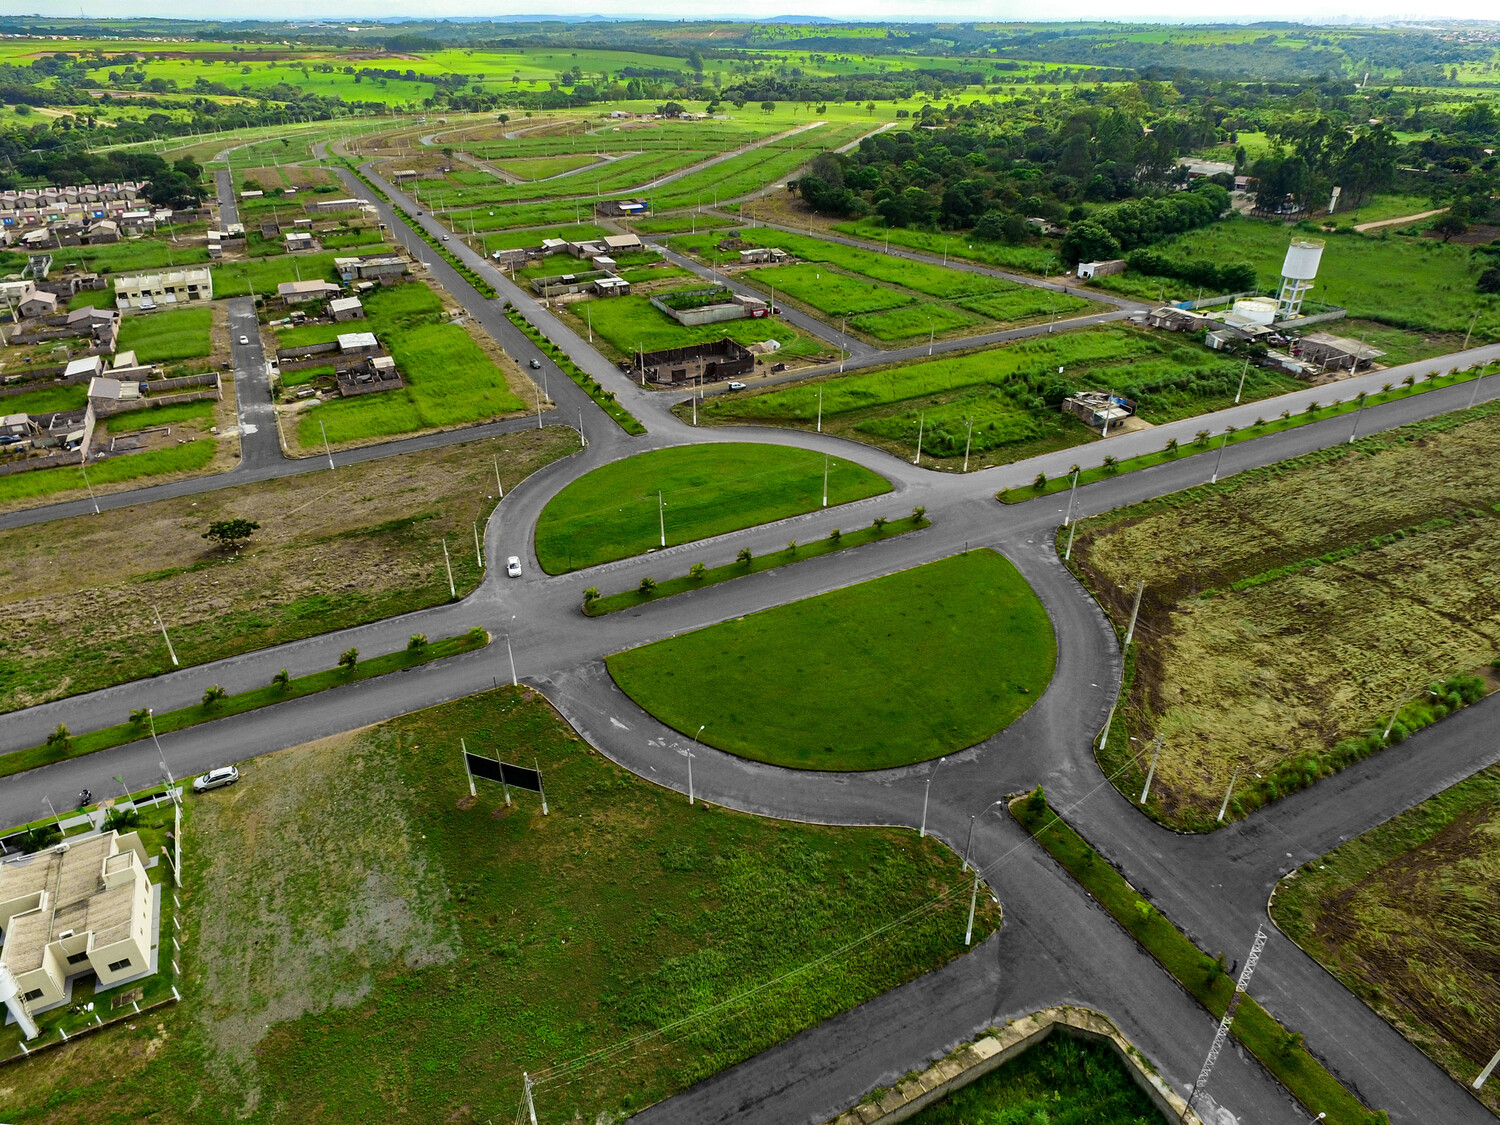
(536, 364)
(735, 385)
(445, 238)
(244, 339)
(216, 779)
(513, 566)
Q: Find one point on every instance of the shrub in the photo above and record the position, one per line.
(1040, 483)
(744, 556)
(42, 836)
(590, 596)
(349, 658)
(1111, 465)
(1259, 422)
(878, 523)
(476, 635)
(835, 535)
(917, 513)
(282, 680)
(61, 737)
(1172, 447)
(1314, 407)
(212, 696)
(791, 546)
(1201, 437)
(697, 571)
(139, 716)
(121, 820)
(1036, 802)
(648, 585)
(417, 642)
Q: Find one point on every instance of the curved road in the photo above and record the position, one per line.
(1057, 945)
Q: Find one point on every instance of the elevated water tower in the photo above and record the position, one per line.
(1297, 274)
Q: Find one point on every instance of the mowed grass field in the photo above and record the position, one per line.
(78, 593)
(705, 490)
(364, 942)
(166, 337)
(1061, 1081)
(1291, 608)
(450, 380)
(898, 670)
(1405, 916)
(1007, 394)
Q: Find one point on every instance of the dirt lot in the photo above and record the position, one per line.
(1408, 917)
(332, 551)
(1273, 625)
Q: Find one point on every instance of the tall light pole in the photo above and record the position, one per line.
(1473, 398)
(1241, 389)
(1358, 410)
(970, 840)
(921, 421)
(968, 441)
(1484, 1074)
(1220, 459)
(927, 793)
(661, 515)
(820, 410)
(1072, 492)
(690, 762)
(825, 480)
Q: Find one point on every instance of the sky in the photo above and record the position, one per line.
(1310, 11)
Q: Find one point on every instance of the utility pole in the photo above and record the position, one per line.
(1072, 492)
(921, 421)
(973, 902)
(1136, 609)
(820, 410)
(162, 626)
(968, 440)
(1358, 410)
(1068, 554)
(514, 679)
(1484, 1074)
(1150, 773)
(661, 515)
(326, 447)
(1241, 389)
(1223, 446)
(447, 563)
(1473, 398)
(85, 469)
(499, 489)
(690, 761)
(1223, 1032)
(478, 554)
(1233, 777)
(1472, 321)
(825, 480)
(927, 793)
(530, 1105)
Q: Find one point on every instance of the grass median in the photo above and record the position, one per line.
(1281, 1052)
(885, 673)
(690, 492)
(215, 706)
(749, 564)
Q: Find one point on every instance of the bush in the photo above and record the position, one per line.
(349, 658)
(417, 642)
(697, 571)
(476, 635)
(1040, 484)
(212, 696)
(42, 836)
(121, 820)
(835, 535)
(648, 585)
(590, 596)
(139, 716)
(1111, 465)
(917, 513)
(61, 737)
(1036, 802)
(282, 679)
(1172, 447)
(878, 523)
(744, 556)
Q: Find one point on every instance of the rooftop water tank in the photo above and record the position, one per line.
(1256, 310)
(1302, 258)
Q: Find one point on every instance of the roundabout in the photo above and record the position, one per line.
(890, 672)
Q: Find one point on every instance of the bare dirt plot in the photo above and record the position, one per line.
(1407, 916)
(1295, 606)
(333, 550)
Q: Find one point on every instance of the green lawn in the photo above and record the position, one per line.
(167, 415)
(926, 319)
(628, 323)
(898, 670)
(830, 293)
(156, 462)
(397, 951)
(1061, 1081)
(237, 279)
(706, 490)
(1036, 258)
(165, 337)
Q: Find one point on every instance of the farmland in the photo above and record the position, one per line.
(346, 885)
(1008, 393)
(1403, 916)
(704, 490)
(1271, 652)
(450, 378)
(897, 670)
(79, 591)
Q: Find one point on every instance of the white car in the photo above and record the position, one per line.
(736, 386)
(513, 566)
(244, 339)
(214, 779)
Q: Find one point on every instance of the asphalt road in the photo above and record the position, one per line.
(260, 446)
(1056, 946)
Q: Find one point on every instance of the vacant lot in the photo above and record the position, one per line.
(1406, 917)
(363, 942)
(898, 670)
(623, 325)
(1062, 1081)
(332, 551)
(703, 490)
(1010, 394)
(166, 337)
(1292, 607)
(454, 376)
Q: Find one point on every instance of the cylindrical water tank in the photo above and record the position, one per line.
(1256, 310)
(1302, 258)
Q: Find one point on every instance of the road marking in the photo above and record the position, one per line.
(616, 722)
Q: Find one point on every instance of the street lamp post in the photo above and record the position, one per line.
(927, 793)
(970, 840)
(690, 762)
(1473, 398)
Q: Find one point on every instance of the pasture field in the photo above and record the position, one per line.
(624, 324)
(172, 414)
(1035, 258)
(540, 167)
(128, 256)
(897, 670)
(514, 239)
(25, 490)
(1437, 293)
(79, 592)
(704, 490)
(1403, 916)
(262, 275)
(450, 378)
(832, 294)
(1270, 652)
(351, 881)
(1009, 393)
(166, 337)
(1062, 1081)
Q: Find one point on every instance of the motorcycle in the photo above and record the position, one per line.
(85, 799)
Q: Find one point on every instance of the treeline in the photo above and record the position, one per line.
(1110, 231)
(1216, 277)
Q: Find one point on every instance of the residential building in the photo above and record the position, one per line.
(104, 231)
(357, 344)
(612, 287)
(622, 243)
(37, 303)
(171, 287)
(83, 906)
(700, 363)
(92, 366)
(763, 254)
(1101, 269)
(300, 240)
(384, 268)
(346, 308)
(298, 292)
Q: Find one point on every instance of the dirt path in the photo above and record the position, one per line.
(1362, 227)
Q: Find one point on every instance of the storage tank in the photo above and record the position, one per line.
(1256, 310)
(1302, 258)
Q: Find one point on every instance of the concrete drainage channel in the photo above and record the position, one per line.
(976, 1059)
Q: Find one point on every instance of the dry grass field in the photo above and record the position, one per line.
(1292, 607)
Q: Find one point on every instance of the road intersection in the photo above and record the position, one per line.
(1057, 945)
